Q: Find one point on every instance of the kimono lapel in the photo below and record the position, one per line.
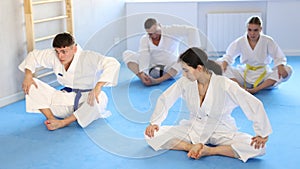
(69, 75)
(211, 109)
(73, 65)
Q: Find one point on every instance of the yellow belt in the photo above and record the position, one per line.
(254, 68)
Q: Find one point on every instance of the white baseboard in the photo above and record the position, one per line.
(11, 99)
(292, 52)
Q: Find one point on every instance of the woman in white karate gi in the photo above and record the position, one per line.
(256, 52)
(156, 60)
(82, 73)
(210, 98)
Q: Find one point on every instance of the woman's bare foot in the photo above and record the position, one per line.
(197, 151)
(54, 124)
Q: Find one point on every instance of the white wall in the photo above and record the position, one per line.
(283, 24)
(12, 47)
(90, 16)
(99, 24)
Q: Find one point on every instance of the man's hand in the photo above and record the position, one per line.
(259, 142)
(156, 81)
(28, 81)
(93, 95)
(144, 78)
(281, 71)
(151, 129)
(171, 73)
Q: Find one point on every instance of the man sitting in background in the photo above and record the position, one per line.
(156, 60)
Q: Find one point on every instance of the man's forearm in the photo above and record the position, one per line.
(28, 73)
(99, 85)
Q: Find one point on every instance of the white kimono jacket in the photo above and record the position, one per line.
(167, 51)
(265, 51)
(211, 122)
(86, 69)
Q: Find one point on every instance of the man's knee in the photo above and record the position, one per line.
(129, 56)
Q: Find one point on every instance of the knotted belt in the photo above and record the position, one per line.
(254, 68)
(77, 96)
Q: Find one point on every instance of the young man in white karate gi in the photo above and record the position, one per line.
(210, 98)
(82, 73)
(156, 60)
(256, 51)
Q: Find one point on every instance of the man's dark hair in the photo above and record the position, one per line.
(149, 23)
(63, 40)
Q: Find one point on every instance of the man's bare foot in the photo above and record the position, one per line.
(54, 124)
(197, 151)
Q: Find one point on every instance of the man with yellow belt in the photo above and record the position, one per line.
(256, 51)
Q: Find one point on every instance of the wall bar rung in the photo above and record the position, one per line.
(50, 19)
(45, 2)
(44, 38)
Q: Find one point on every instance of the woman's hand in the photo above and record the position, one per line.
(151, 129)
(259, 142)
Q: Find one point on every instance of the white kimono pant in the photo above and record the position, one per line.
(131, 56)
(238, 73)
(240, 142)
(61, 103)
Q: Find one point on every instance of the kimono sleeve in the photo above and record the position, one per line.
(276, 53)
(165, 101)
(232, 52)
(252, 107)
(110, 68)
(37, 58)
(188, 33)
(193, 38)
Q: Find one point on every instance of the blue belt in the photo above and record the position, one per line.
(78, 94)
